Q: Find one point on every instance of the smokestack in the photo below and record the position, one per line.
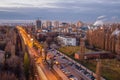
(116, 32)
(99, 21)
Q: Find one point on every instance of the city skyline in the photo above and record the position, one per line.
(72, 10)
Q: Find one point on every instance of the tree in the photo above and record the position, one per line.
(14, 65)
(7, 76)
(49, 40)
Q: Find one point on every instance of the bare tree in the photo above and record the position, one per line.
(7, 76)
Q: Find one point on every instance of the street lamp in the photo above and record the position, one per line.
(31, 39)
(31, 42)
(56, 62)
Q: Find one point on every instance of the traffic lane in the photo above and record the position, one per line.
(46, 69)
(64, 62)
(30, 52)
(41, 73)
(63, 76)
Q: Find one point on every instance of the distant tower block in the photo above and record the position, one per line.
(48, 24)
(98, 70)
(82, 48)
(79, 24)
(38, 24)
(56, 24)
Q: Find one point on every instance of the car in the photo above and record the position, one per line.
(69, 76)
(67, 72)
(58, 54)
(85, 72)
(52, 50)
(80, 68)
(63, 57)
(63, 70)
(54, 56)
(56, 62)
(88, 74)
(91, 77)
(72, 77)
(54, 59)
(82, 71)
(70, 63)
(61, 67)
(77, 67)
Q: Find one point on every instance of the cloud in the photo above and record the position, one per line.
(63, 9)
(101, 17)
(114, 17)
(26, 3)
(52, 3)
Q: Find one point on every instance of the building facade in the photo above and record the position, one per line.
(38, 24)
(67, 41)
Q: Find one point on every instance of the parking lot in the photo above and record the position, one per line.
(72, 70)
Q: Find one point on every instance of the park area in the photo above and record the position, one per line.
(110, 67)
(71, 50)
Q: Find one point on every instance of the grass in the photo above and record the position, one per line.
(110, 67)
(110, 70)
(69, 50)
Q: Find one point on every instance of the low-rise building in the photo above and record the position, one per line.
(67, 41)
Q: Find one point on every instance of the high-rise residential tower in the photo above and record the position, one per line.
(38, 24)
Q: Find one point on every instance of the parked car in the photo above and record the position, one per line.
(77, 67)
(67, 72)
(70, 63)
(85, 72)
(91, 77)
(61, 67)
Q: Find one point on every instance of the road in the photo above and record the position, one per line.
(46, 70)
(42, 69)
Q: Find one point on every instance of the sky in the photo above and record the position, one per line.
(63, 10)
